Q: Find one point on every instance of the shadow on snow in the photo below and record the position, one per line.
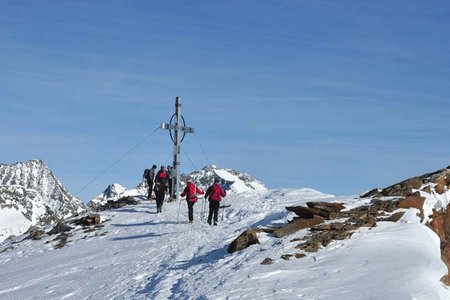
(205, 261)
(149, 223)
(134, 237)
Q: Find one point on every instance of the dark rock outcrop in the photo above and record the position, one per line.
(323, 209)
(89, 220)
(114, 204)
(268, 261)
(395, 217)
(246, 239)
(297, 225)
(35, 233)
(60, 227)
(439, 178)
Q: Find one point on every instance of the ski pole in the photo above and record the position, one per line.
(178, 215)
(202, 211)
(223, 210)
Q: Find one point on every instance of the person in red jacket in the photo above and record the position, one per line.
(191, 191)
(215, 193)
(161, 175)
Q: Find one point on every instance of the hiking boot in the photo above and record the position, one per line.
(209, 222)
(215, 223)
(191, 221)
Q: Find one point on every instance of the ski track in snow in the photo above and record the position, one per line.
(144, 255)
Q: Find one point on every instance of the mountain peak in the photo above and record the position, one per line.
(233, 181)
(30, 194)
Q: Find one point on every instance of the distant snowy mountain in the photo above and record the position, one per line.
(30, 194)
(232, 180)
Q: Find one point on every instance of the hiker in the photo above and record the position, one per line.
(215, 193)
(161, 174)
(191, 191)
(149, 176)
(161, 182)
(160, 192)
(170, 176)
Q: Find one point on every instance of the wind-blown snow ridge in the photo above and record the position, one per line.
(30, 194)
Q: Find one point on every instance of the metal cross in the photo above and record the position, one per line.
(177, 129)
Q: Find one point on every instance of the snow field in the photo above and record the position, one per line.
(139, 254)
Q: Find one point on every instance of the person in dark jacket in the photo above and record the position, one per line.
(160, 192)
(170, 177)
(215, 193)
(191, 191)
(149, 176)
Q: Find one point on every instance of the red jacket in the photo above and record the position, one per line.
(215, 192)
(191, 191)
(161, 174)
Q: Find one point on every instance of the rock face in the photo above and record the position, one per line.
(441, 225)
(31, 195)
(438, 180)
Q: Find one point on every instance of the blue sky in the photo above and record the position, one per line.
(340, 96)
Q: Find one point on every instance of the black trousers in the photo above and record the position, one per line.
(213, 211)
(150, 188)
(170, 189)
(159, 200)
(191, 210)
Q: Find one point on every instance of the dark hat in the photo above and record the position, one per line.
(217, 179)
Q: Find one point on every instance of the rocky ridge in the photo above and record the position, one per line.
(325, 222)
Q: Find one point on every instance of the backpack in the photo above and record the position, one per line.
(161, 174)
(163, 180)
(214, 192)
(160, 187)
(191, 191)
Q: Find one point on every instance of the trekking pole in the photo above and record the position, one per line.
(204, 208)
(223, 210)
(178, 215)
(202, 212)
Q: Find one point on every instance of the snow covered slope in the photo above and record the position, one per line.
(142, 255)
(30, 194)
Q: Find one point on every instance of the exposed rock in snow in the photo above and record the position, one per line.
(30, 194)
(437, 182)
(115, 192)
